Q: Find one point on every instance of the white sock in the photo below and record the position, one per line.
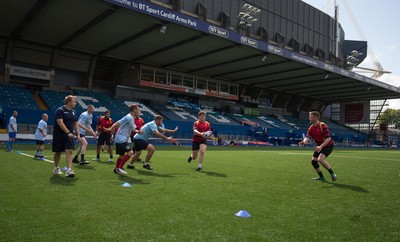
(200, 165)
(145, 163)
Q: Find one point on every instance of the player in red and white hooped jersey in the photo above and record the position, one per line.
(201, 130)
(319, 131)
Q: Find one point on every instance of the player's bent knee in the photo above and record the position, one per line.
(315, 164)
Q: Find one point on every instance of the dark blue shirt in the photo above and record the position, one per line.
(69, 118)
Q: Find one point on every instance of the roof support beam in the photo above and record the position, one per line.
(89, 25)
(223, 63)
(285, 79)
(28, 18)
(251, 68)
(325, 88)
(130, 38)
(201, 55)
(272, 73)
(183, 42)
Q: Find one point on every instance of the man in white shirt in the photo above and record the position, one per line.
(85, 124)
(40, 136)
(12, 131)
(125, 126)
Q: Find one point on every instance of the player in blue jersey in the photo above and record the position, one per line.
(85, 124)
(40, 136)
(125, 126)
(63, 137)
(12, 131)
(141, 141)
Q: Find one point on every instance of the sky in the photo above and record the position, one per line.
(378, 22)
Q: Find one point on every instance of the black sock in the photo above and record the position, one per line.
(320, 174)
(98, 157)
(82, 157)
(76, 157)
(330, 171)
(111, 156)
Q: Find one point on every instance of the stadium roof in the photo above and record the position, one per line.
(132, 31)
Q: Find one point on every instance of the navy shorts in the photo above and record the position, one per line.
(62, 142)
(140, 144)
(122, 148)
(12, 135)
(327, 150)
(40, 142)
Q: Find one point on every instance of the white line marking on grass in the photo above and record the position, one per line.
(343, 156)
(365, 158)
(293, 153)
(21, 153)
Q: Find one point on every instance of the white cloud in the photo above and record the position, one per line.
(394, 104)
(390, 47)
(391, 79)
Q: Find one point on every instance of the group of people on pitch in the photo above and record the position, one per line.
(133, 127)
(130, 126)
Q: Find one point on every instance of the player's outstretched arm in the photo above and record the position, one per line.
(305, 140)
(113, 127)
(164, 130)
(160, 135)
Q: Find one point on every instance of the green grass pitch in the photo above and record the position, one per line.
(175, 203)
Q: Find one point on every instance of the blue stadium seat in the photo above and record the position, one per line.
(17, 97)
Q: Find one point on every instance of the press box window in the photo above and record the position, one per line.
(161, 77)
(176, 80)
(188, 81)
(147, 75)
(201, 84)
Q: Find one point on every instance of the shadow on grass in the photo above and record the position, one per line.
(150, 173)
(213, 173)
(104, 162)
(62, 180)
(85, 167)
(131, 180)
(345, 186)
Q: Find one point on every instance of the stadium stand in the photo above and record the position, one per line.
(53, 98)
(17, 97)
(180, 111)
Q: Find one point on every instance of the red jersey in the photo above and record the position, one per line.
(139, 122)
(201, 127)
(319, 133)
(104, 123)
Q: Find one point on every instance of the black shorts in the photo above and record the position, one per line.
(196, 144)
(62, 142)
(140, 144)
(40, 142)
(327, 150)
(82, 135)
(104, 138)
(122, 148)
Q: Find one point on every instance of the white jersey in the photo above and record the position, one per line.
(86, 119)
(126, 125)
(43, 126)
(13, 121)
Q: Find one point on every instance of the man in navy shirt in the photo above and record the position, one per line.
(63, 137)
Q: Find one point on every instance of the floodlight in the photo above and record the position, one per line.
(163, 29)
